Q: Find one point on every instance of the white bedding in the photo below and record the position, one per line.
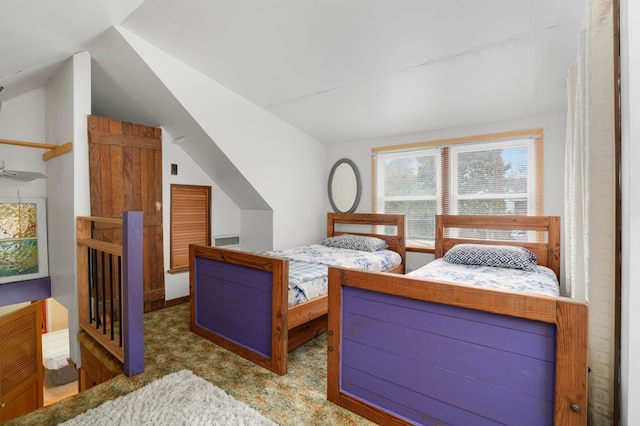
(309, 264)
(55, 349)
(543, 281)
(380, 260)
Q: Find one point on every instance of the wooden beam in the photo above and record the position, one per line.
(58, 150)
(52, 149)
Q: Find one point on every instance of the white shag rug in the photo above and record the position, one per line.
(180, 398)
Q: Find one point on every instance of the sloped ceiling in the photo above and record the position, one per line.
(36, 37)
(125, 88)
(345, 70)
(338, 70)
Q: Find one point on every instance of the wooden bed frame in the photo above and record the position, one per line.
(239, 300)
(405, 351)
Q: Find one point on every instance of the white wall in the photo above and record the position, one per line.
(22, 118)
(11, 308)
(68, 102)
(255, 235)
(225, 215)
(554, 126)
(630, 176)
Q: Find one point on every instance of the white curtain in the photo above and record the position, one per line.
(590, 200)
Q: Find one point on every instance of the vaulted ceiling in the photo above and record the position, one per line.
(338, 70)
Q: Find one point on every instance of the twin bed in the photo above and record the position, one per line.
(261, 306)
(422, 348)
(429, 347)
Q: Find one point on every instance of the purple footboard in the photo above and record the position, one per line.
(240, 312)
(233, 303)
(408, 351)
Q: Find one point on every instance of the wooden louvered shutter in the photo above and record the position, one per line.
(190, 222)
(21, 370)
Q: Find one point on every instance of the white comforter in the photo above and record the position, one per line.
(543, 281)
(308, 267)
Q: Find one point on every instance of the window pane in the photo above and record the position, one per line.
(420, 216)
(410, 176)
(482, 234)
(494, 206)
(517, 173)
(493, 171)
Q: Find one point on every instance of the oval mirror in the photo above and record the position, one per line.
(344, 186)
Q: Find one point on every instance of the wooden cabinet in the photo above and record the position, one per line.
(21, 370)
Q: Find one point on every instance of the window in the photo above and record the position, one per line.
(190, 222)
(409, 183)
(489, 174)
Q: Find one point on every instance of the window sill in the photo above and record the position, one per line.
(420, 246)
(178, 270)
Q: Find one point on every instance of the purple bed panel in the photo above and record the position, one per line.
(433, 363)
(235, 302)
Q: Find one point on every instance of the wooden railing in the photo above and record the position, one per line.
(110, 288)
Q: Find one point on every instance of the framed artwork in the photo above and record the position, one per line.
(23, 239)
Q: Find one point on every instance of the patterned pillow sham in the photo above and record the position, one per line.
(355, 242)
(512, 257)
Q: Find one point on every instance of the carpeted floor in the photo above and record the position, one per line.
(297, 398)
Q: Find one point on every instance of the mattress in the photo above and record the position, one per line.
(542, 281)
(308, 266)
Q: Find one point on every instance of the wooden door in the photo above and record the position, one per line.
(21, 370)
(125, 166)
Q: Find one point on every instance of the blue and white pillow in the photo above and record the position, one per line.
(355, 242)
(512, 257)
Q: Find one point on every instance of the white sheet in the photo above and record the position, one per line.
(55, 349)
(543, 281)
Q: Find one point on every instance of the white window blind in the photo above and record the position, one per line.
(495, 178)
(409, 183)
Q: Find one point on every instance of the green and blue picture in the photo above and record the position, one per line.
(22, 225)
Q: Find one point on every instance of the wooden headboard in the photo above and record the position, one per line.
(546, 247)
(397, 241)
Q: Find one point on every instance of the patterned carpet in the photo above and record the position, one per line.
(297, 398)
